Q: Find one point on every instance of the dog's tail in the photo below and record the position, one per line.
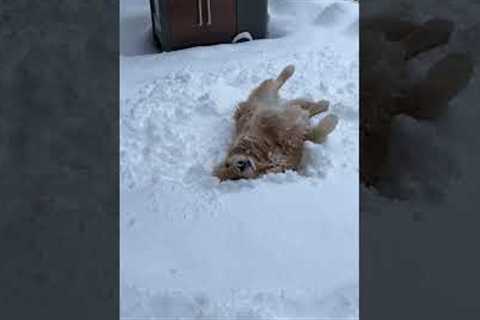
(286, 73)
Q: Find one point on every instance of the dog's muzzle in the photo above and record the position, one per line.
(243, 164)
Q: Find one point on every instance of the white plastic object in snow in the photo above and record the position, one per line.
(243, 35)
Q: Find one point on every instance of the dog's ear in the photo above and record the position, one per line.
(220, 171)
(262, 168)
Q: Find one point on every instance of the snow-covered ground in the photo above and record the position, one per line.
(283, 246)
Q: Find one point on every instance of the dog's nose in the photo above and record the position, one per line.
(243, 164)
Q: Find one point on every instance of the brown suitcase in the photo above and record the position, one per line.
(185, 23)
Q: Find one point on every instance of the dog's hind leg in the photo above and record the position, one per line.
(268, 89)
(320, 132)
(313, 108)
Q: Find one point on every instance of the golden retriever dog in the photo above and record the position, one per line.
(270, 133)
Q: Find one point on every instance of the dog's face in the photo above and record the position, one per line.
(237, 166)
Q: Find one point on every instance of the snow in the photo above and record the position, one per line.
(285, 245)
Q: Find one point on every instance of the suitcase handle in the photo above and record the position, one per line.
(209, 11)
(200, 13)
(247, 36)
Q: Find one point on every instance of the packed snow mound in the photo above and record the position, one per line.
(284, 245)
(332, 14)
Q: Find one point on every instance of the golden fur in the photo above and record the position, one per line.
(269, 134)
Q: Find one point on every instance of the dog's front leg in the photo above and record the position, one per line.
(313, 108)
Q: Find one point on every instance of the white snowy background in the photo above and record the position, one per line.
(283, 246)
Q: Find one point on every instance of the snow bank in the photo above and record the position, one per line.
(283, 245)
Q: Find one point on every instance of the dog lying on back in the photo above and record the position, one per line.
(269, 133)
